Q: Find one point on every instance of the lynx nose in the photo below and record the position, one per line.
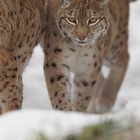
(82, 33)
(81, 38)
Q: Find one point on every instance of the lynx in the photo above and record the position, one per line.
(81, 37)
(78, 36)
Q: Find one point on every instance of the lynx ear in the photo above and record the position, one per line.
(65, 3)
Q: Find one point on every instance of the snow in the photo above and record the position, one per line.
(45, 121)
(37, 113)
(25, 124)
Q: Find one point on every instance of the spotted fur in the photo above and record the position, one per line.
(21, 22)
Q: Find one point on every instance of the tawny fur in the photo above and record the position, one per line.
(21, 22)
(64, 54)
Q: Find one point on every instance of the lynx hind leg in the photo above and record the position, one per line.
(10, 83)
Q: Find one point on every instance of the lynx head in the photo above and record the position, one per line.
(83, 21)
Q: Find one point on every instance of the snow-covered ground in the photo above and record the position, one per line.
(17, 125)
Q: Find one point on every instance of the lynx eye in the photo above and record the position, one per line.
(71, 20)
(93, 21)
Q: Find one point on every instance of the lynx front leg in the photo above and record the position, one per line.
(58, 83)
(84, 88)
(105, 99)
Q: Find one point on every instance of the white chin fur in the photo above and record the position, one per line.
(89, 42)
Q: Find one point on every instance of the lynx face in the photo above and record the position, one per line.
(83, 21)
